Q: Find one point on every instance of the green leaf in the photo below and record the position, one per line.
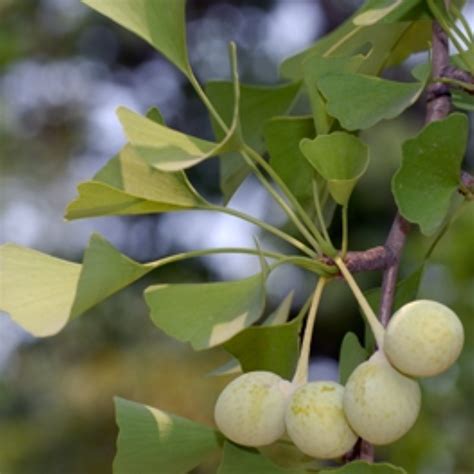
(463, 100)
(416, 38)
(153, 113)
(286, 455)
(257, 105)
(240, 460)
(127, 185)
(42, 293)
(167, 149)
(37, 289)
(317, 66)
(273, 348)
(349, 39)
(361, 467)
(394, 11)
(279, 316)
(282, 312)
(152, 441)
(340, 158)
(104, 272)
(429, 173)
(206, 314)
(405, 291)
(159, 22)
(283, 136)
(351, 355)
(359, 101)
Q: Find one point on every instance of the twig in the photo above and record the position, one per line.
(438, 106)
(394, 245)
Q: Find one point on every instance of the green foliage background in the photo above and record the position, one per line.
(56, 411)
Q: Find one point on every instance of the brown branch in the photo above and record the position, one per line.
(458, 74)
(395, 242)
(375, 258)
(439, 98)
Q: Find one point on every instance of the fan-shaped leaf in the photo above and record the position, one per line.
(127, 185)
(42, 293)
(167, 149)
(379, 10)
(430, 170)
(37, 290)
(359, 101)
(340, 158)
(349, 39)
(257, 105)
(240, 460)
(350, 356)
(153, 441)
(283, 135)
(206, 314)
(159, 22)
(272, 348)
(361, 467)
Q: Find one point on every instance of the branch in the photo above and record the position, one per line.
(458, 74)
(439, 98)
(438, 107)
(395, 243)
(375, 258)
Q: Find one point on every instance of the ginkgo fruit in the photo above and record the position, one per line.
(380, 403)
(251, 409)
(423, 338)
(316, 423)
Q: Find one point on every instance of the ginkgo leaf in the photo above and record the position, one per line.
(37, 290)
(242, 460)
(104, 272)
(167, 149)
(159, 22)
(349, 39)
(153, 441)
(362, 467)
(429, 173)
(317, 66)
(393, 11)
(127, 185)
(42, 293)
(351, 355)
(359, 101)
(206, 314)
(273, 348)
(257, 105)
(340, 158)
(283, 136)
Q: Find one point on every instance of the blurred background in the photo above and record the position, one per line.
(63, 71)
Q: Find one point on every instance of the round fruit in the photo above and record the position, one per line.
(380, 403)
(423, 338)
(316, 423)
(251, 409)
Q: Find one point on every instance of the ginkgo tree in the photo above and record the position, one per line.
(309, 164)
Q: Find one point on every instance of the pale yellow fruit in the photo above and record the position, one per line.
(316, 423)
(423, 338)
(251, 409)
(380, 403)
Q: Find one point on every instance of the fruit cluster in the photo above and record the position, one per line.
(379, 403)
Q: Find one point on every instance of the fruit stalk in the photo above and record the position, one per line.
(301, 373)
